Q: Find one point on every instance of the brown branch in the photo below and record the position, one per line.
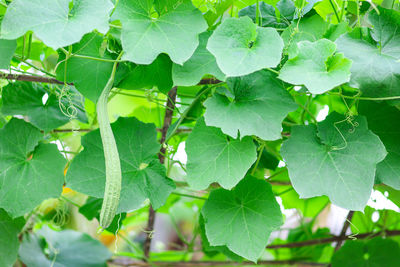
(167, 122)
(30, 78)
(130, 262)
(344, 229)
(43, 79)
(88, 130)
(320, 241)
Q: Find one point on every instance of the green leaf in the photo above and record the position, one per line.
(9, 242)
(157, 74)
(210, 250)
(25, 98)
(96, 73)
(384, 121)
(53, 22)
(7, 49)
(65, 248)
(201, 63)
(214, 157)
(91, 209)
(241, 47)
(330, 159)
(307, 29)
(30, 172)
(316, 66)
(258, 106)
(376, 67)
(375, 252)
(268, 16)
(146, 35)
(142, 175)
(242, 219)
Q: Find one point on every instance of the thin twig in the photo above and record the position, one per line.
(167, 122)
(344, 229)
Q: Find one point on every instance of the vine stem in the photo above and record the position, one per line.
(367, 98)
(167, 122)
(344, 229)
(184, 114)
(113, 164)
(130, 262)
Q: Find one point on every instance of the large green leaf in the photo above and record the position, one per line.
(376, 66)
(254, 104)
(96, 72)
(25, 98)
(9, 243)
(384, 121)
(142, 175)
(375, 252)
(241, 47)
(214, 157)
(54, 22)
(201, 63)
(331, 160)
(242, 219)
(307, 29)
(30, 172)
(281, 18)
(61, 249)
(316, 65)
(157, 74)
(146, 35)
(7, 49)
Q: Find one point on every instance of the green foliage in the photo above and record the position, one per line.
(7, 49)
(376, 252)
(241, 47)
(229, 118)
(250, 211)
(214, 157)
(254, 104)
(24, 98)
(26, 163)
(145, 35)
(56, 25)
(336, 165)
(64, 248)
(142, 176)
(315, 66)
(9, 239)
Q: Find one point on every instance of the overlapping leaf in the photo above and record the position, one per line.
(316, 66)
(255, 104)
(242, 219)
(376, 66)
(307, 29)
(202, 62)
(146, 35)
(331, 160)
(30, 172)
(384, 121)
(7, 49)
(240, 47)
(375, 252)
(65, 248)
(214, 157)
(157, 74)
(9, 243)
(142, 175)
(268, 16)
(89, 76)
(54, 22)
(26, 98)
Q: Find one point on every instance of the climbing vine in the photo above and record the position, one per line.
(232, 127)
